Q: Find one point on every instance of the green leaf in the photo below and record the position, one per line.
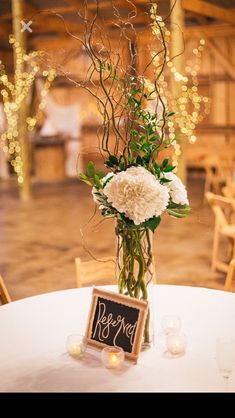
(150, 130)
(126, 220)
(178, 211)
(145, 146)
(134, 132)
(153, 138)
(137, 102)
(147, 157)
(90, 169)
(83, 176)
(136, 145)
(139, 160)
(113, 159)
(154, 146)
(165, 162)
(97, 182)
(176, 214)
(108, 66)
(85, 179)
(142, 138)
(179, 208)
(100, 174)
(135, 91)
(157, 169)
(163, 180)
(115, 73)
(169, 168)
(152, 223)
(170, 114)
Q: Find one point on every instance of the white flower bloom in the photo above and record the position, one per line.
(137, 193)
(178, 192)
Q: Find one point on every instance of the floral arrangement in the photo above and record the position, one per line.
(139, 186)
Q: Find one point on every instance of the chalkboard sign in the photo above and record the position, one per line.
(116, 320)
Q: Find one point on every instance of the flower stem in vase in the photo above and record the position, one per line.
(135, 265)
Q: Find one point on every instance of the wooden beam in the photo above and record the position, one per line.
(177, 35)
(204, 8)
(210, 31)
(73, 5)
(177, 54)
(25, 189)
(221, 57)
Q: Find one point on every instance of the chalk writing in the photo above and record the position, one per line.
(106, 322)
(115, 323)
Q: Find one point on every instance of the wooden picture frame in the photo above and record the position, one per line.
(116, 319)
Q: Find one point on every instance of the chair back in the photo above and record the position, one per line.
(230, 276)
(91, 272)
(229, 190)
(4, 295)
(220, 206)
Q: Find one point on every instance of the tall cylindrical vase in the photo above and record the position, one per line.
(136, 268)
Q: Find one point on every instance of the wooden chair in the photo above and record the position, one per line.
(230, 276)
(220, 205)
(219, 172)
(4, 295)
(90, 272)
(229, 190)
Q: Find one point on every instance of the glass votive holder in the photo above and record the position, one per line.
(176, 344)
(76, 345)
(171, 324)
(112, 357)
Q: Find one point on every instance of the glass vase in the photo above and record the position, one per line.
(136, 269)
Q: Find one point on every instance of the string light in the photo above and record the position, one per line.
(187, 106)
(14, 94)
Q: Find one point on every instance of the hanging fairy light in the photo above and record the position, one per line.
(14, 93)
(189, 106)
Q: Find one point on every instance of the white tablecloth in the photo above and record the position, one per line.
(33, 357)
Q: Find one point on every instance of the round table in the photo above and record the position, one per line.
(33, 356)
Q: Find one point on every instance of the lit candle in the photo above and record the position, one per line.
(76, 345)
(176, 344)
(112, 357)
(75, 350)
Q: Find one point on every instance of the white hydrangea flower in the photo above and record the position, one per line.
(178, 192)
(137, 193)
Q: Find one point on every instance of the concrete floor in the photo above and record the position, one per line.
(40, 239)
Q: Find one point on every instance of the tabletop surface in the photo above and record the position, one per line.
(33, 355)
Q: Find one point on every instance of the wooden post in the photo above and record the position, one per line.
(177, 47)
(25, 188)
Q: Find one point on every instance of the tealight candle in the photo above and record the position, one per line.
(171, 324)
(112, 357)
(76, 345)
(75, 350)
(176, 344)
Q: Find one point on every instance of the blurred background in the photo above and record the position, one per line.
(45, 223)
